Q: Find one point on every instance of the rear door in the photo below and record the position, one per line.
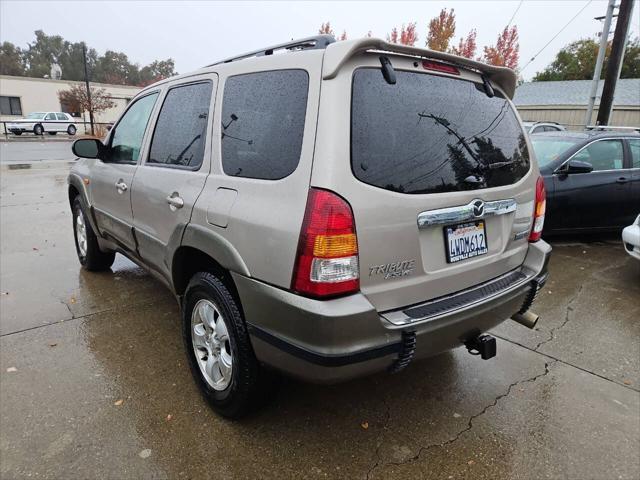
(112, 177)
(50, 123)
(600, 199)
(634, 150)
(171, 177)
(437, 172)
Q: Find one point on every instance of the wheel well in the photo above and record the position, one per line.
(73, 193)
(187, 261)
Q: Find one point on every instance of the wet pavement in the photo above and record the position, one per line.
(35, 149)
(94, 382)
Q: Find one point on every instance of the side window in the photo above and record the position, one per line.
(181, 129)
(126, 140)
(50, 116)
(547, 128)
(603, 155)
(61, 116)
(634, 146)
(263, 123)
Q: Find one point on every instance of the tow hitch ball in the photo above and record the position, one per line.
(483, 345)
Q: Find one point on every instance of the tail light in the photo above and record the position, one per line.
(538, 211)
(327, 259)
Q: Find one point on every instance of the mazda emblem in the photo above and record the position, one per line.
(478, 208)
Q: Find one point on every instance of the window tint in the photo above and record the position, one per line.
(429, 134)
(10, 106)
(61, 116)
(550, 149)
(603, 155)
(634, 145)
(129, 132)
(263, 123)
(180, 132)
(50, 116)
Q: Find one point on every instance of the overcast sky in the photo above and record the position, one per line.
(197, 33)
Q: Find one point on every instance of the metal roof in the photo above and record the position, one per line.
(575, 92)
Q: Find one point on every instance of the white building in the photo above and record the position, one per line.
(20, 96)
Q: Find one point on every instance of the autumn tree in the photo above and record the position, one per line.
(506, 51)
(325, 29)
(75, 100)
(466, 46)
(408, 35)
(441, 30)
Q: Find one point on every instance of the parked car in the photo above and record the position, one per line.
(327, 212)
(631, 238)
(592, 179)
(41, 122)
(540, 127)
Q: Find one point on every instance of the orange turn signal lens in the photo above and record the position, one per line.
(331, 246)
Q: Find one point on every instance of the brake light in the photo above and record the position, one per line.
(440, 67)
(538, 211)
(327, 259)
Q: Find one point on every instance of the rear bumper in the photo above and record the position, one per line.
(334, 340)
(631, 239)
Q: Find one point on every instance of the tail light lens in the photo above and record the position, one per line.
(327, 260)
(538, 211)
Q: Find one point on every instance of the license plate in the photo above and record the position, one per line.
(466, 240)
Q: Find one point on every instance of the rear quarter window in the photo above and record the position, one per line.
(428, 134)
(263, 123)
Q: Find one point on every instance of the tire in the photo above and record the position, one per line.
(247, 384)
(52, 133)
(17, 132)
(89, 253)
(71, 130)
(38, 129)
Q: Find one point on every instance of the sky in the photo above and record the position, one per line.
(197, 33)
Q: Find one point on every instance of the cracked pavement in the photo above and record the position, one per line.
(560, 401)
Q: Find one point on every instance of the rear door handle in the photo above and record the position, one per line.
(622, 180)
(121, 186)
(175, 202)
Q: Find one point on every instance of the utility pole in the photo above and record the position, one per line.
(86, 82)
(600, 60)
(615, 61)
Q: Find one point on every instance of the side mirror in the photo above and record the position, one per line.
(578, 166)
(87, 148)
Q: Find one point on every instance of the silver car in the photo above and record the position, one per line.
(338, 209)
(41, 122)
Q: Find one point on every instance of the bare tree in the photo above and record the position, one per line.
(75, 100)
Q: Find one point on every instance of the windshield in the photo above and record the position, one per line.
(549, 149)
(35, 115)
(429, 134)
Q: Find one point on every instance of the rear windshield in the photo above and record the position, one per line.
(550, 149)
(429, 134)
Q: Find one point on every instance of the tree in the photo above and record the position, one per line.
(407, 36)
(114, 67)
(156, 71)
(343, 36)
(325, 29)
(75, 99)
(42, 53)
(467, 46)
(11, 60)
(577, 61)
(506, 51)
(441, 30)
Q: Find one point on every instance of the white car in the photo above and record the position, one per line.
(539, 127)
(41, 122)
(631, 238)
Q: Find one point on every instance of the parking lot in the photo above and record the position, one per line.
(94, 382)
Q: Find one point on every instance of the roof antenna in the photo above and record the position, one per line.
(388, 72)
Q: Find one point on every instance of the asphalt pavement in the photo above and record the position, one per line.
(35, 149)
(94, 382)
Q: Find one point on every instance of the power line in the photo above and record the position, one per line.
(514, 13)
(556, 35)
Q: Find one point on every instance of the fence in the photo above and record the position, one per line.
(83, 128)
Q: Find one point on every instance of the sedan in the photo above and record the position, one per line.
(592, 179)
(631, 238)
(41, 122)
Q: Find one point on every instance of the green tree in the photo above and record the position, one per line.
(156, 71)
(11, 60)
(114, 67)
(577, 61)
(42, 53)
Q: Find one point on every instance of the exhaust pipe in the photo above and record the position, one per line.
(528, 318)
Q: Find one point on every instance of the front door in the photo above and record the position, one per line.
(595, 200)
(172, 176)
(113, 176)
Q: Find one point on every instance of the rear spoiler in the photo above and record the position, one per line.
(337, 54)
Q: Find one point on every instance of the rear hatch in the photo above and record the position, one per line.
(439, 177)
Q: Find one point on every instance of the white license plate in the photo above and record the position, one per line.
(466, 240)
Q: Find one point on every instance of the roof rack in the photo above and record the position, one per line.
(318, 42)
(610, 127)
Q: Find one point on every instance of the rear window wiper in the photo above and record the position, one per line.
(388, 72)
(488, 89)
